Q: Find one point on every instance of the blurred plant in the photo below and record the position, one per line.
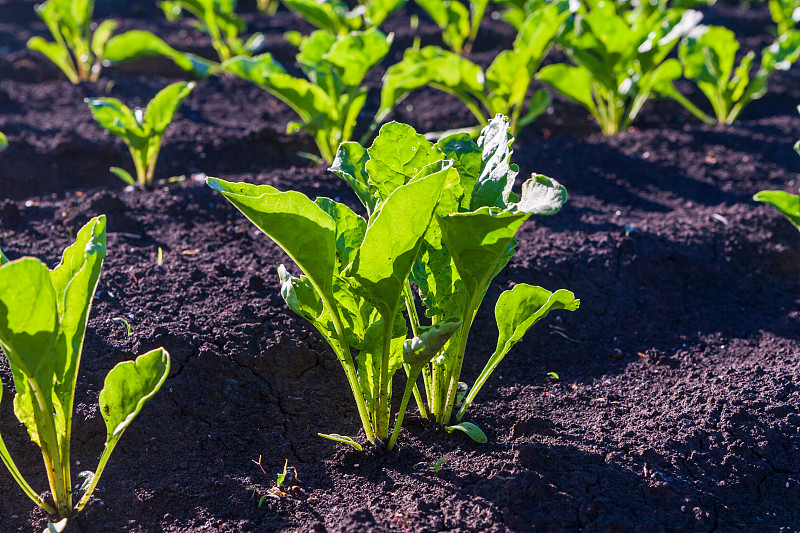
(459, 23)
(708, 55)
(502, 88)
(141, 129)
(77, 51)
(620, 58)
(336, 17)
(785, 14)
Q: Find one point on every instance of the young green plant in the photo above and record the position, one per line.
(468, 243)
(459, 23)
(355, 270)
(501, 88)
(77, 50)
(708, 55)
(141, 129)
(329, 99)
(620, 58)
(336, 17)
(43, 317)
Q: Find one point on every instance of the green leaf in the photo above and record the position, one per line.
(787, 204)
(57, 54)
(136, 44)
(521, 307)
(3, 258)
(357, 53)
(341, 438)
(350, 165)
(479, 242)
(3, 141)
(541, 196)
(162, 107)
(305, 231)
(101, 36)
(430, 66)
(123, 174)
(75, 281)
(397, 155)
(571, 81)
(473, 431)
(28, 317)
(127, 387)
(116, 117)
(493, 188)
(393, 239)
(329, 15)
(350, 230)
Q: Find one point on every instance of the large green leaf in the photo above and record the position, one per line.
(127, 387)
(393, 239)
(479, 242)
(304, 230)
(57, 54)
(75, 282)
(788, 204)
(28, 316)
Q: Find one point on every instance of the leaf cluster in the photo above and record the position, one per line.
(708, 56)
(43, 318)
(141, 129)
(620, 56)
(443, 216)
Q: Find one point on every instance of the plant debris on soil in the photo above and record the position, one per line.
(677, 406)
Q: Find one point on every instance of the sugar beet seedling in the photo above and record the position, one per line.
(43, 318)
(141, 129)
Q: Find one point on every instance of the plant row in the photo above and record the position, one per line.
(621, 54)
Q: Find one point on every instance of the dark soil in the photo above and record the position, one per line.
(678, 403)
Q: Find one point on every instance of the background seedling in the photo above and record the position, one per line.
(142, 129)
(77, 50)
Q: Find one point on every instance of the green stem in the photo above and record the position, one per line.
(411, 309)
(26, 488)
(97, 473)
(382, 407)
(48, 440)
(346, 361)
(410, 386)
(153, 159)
